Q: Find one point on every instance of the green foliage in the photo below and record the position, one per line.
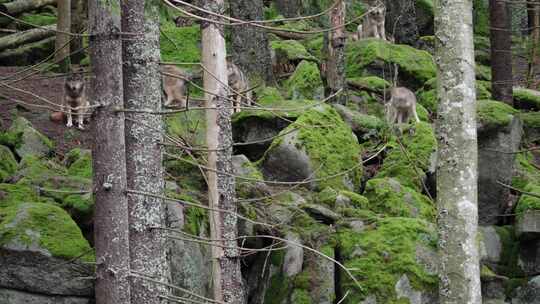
(373, 83)
(8, 163)
(525, 171)
(379, 257)
(492, 114)
(44, 226)
(291, 49)
(529, 202)
(305, 82)
(180, 44)
(530, 119)
(526, 97)
(11, 194)
(40, 19)
(80, 163)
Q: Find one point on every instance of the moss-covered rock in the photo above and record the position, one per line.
(31, 141)
(42, 228)
(483, 72)
(525, 171)
(11, 194)
(318, 143)
(427, 95)
(41, 19)
(380, 256)
(492, 114)
(8, 163)
(529, 202)
(305, 82)
(372, 83)
(388, 197)
(526, 99)
(291, 50)
(180, 44)
(79, 162)
(409, 161)
(372, 56)
(363, 125)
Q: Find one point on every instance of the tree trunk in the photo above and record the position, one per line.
(21, 6)
(250, 45)
(79, 9)
(401, 21)
(144, 133)
(534, 31)
(111, 231)
(289, 8)
(14, 40)
(501, 51)
(62, 38)
(457, 175)
(335, 54)
(227, 278)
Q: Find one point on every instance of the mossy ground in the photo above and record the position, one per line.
(380, 256)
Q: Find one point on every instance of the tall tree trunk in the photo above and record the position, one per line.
(501, 51)
(227, 278)
(335, 54)
(534, 32)
(144, 133)
(62, 38)
(79, 9)
(457, 175)
(250, 45)
(109, 159)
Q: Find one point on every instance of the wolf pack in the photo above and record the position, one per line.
(400, 108)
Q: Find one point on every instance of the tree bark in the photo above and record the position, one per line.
(227, 278)
(335, 54)
(79, 10)
(289, 8)
(21, 6)
(501, 51)
(111, 232)
(14, 40)
(534, 31)
(250, 47)
(62, 38)
(144, 133)
(457, 175)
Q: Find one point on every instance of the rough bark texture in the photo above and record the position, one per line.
(14, 40)
(142, 90)
(533, 10)
(79, 10)
(335, 54)
(250, 47)
(501, 51)
(62, 38)
(21, 6)
(111, 232)
(227, 278)
(457, 154)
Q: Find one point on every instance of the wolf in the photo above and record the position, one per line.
(175, 85)
(75, 98)
(402, 106)
(239, 83)
(373, 23)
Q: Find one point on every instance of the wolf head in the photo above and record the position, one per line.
(75, 83)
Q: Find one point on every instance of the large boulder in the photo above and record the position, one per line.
(31, 141)
(318, 147)
(499, 135)
(528, 294)
(305, 82)
(8, 163)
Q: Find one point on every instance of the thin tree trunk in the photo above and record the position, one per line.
(62, 38)
(111, 231)
(227, 278)
(501, 51)
(534, 24)
(79, 9)
(144, 133)
(457, 199)
(335, 54)
(250, 45)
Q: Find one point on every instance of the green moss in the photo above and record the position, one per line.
(528, 202)
(481, 17)
(428, 99)
(196, 219)
(291, 50)
(527, 98)
(278, 289)
(371, 82)
(31, 141)
(483, 72)
(414, 64)
(11, 194)
(418, 144)
(8, 164)
(80, 163)
(190, 126)
(277, 109)
(36, 225)
(530, 119)
(80, 207)
(357, 200)
(426, 5)
(509, 264)
(327, 197)
(300, 296)
(379, 257)
(305, 82)
(180, 44)
(493, 114)
(388, 197)
(11, 139)
(525, 171)
(40, 19)
(315, 46)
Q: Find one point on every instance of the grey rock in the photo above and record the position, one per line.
(361, 124)
(37, 273)
(11, 296)
(528, 224)
(404, 290)
(321, 213)
(490, 245)
(294, 255)
(428, 258)
(529, 294)
(33, 142)
(322, 289)
(493, 287)
(357, 225)
(529, 256)
(496, 165)
(342, 201)
(369, 300)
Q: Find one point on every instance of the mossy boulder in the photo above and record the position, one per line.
(493, 114)
(525, 170)
(371, 83)
(528, 217)
(31, 142)
(249, 180)
(180, 44)
(409, 156)
(427, 95)
(529, 202)
(526, 99)
(305, 82)
(531, 125)
(363, 125)
(12, 194)
(8, 163)
(377, 57)
(79, 163)
(483, 72)
(380, 256)
(290, 51)
(43, 228)
(318, 145)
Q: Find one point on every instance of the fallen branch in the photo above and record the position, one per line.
(21, 6)
(14, 40)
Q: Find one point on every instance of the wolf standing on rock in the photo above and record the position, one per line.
(75, 98)
(373, 24)
(402, 106)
